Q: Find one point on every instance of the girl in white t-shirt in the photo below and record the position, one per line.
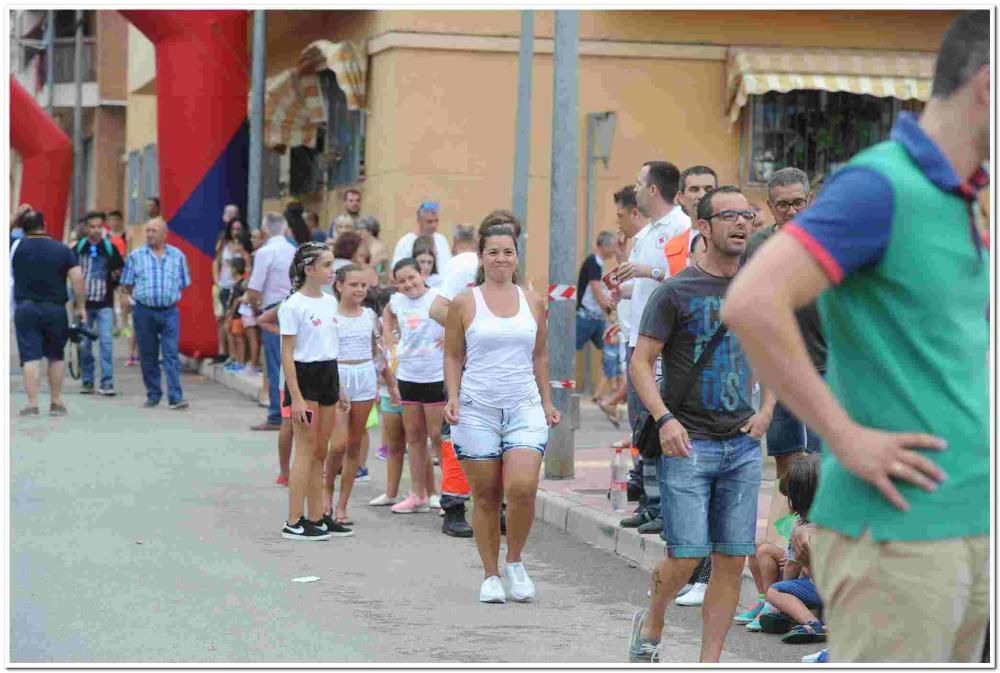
(425, 253)
(358, 330)
(420, 375)
(309, 347)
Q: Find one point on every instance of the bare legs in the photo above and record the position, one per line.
(720, 599)
(285, 435)
(31, 374)
(305, 485)
(356, 420)
(490, 480)
(417, 419)
(395, 442)
(765, 566)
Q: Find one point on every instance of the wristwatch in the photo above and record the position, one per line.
(657, 274)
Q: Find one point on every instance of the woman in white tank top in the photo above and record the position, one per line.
(499, 406)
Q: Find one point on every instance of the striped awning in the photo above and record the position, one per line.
(295, 107)
(886, 74)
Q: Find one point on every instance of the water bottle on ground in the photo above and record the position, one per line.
(619, 483)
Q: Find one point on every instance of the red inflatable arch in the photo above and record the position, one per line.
(203, 140)
(46, 156)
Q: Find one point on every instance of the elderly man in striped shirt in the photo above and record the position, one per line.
(155, 275)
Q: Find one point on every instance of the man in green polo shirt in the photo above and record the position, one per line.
(892, 251)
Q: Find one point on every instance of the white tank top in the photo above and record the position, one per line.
(356, 335)
(420, 357)
(499, 367)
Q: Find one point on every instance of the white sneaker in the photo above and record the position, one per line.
(384, 501)
(492, 591)
(521, 587)
(434, 501)
(694, 597)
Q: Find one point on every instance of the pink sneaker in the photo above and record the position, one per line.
(382, 453)
(282, 480)
(411, 505)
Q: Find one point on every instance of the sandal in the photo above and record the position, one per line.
(813, 632)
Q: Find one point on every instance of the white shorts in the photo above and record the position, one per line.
(360, 381)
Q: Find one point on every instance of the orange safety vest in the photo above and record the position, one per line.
(677, 251)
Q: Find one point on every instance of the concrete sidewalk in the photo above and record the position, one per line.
(580, 505)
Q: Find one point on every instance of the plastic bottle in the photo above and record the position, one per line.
(619, 475)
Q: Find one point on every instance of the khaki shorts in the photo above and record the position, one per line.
(920, 602)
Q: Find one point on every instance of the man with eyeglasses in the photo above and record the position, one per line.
(710, 466)
(102, 264)
(427, 225)
(788, 195)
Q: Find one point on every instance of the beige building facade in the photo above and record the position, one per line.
(745, 92)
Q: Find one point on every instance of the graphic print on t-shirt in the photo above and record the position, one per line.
(684, 314)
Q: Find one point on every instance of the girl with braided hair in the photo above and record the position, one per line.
(309, 348)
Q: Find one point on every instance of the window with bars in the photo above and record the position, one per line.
(816, 131)
(345, 143)
(271, 175)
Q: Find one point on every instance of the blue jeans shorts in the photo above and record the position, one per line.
(788, 435)
(486, 433)
(709, 499)
(802, 588)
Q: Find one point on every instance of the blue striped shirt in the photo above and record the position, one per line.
(156, 282)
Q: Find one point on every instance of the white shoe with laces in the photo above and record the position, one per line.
(521, 587)
(492, 591)
(434, 501)
(696, 596)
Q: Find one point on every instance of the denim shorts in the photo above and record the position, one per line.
(787, 435)
(709, 499)
(486, 433)
(802, 588)
(388, 407)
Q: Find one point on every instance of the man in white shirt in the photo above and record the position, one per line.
(269, 284)
(655, 190)
(461, 272)
(427, 225)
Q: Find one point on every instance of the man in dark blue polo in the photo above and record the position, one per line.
(40, 268)
(155, 275)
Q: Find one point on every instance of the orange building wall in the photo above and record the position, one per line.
(112, 56)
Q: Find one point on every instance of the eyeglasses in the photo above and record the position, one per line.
(782, 206)
(429, 205)
(734, 215)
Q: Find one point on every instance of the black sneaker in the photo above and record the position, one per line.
(303, 530)
(328, 525)
(87, 388)
(651, 527)
(635, 520)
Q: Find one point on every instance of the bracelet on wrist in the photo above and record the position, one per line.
(663, 420)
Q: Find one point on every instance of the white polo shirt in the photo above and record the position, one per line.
(649, 248)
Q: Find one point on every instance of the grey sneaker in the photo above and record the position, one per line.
(87, 388)
(57, 410)
(640, 650)
(149, 404)
(179, 405)
(107, 391)
(654, 526)
(28, 411)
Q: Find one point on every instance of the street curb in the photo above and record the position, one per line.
(602, 530)
(248, 386)
(587, 524)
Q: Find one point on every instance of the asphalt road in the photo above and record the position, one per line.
(152, 536)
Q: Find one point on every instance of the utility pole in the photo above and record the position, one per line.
(522, 145)
(562, 237)
(50, 53)
(79, 185)
(255, 186)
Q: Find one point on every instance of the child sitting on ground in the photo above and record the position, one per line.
(796, 595)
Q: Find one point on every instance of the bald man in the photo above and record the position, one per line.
(155, 275)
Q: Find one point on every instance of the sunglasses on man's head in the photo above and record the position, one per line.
(429, 205)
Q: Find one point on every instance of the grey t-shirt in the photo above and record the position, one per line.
(683, 313)
(807, 316)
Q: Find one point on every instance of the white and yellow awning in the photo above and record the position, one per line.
(294, 105)
(886, 74)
